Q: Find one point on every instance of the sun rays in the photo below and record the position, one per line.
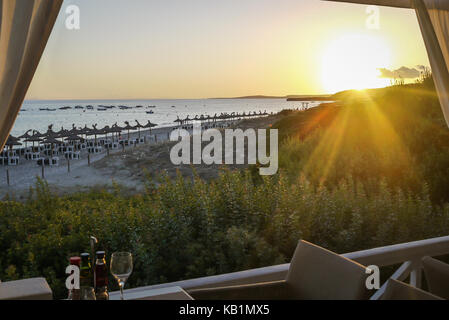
(360, 128)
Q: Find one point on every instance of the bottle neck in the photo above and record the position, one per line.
(85, 264)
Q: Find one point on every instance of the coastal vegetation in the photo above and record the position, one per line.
(366, 171)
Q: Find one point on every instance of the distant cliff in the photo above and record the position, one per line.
(289, 97)
(310, 98)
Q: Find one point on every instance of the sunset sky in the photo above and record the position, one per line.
(208, 48)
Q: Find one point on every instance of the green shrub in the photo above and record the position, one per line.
(397, 135)
(188, 229)
(368, 172)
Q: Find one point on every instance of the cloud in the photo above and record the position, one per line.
(402, 72)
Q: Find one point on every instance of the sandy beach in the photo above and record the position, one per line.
(128, 168)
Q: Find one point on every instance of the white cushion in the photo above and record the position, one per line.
(28, 289)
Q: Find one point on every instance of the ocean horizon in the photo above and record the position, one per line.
(166, 111)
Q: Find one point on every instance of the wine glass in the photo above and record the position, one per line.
(121, 268)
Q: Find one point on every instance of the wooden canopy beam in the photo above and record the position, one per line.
(406, 4)
(387, 3)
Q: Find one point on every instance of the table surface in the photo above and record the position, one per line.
(172, 293)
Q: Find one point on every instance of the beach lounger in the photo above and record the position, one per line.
(13, 161)
(11, 154)
(34, 156)
(94, 150)
(54, 161)
(43, 161)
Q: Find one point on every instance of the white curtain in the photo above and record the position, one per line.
(433, 17)
(25, 26)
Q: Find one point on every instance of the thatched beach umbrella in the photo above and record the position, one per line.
(106, 130)
(34, 140)
(25, 136)
(12, 141)
(116, 129)
(62, 133)
(37, 134)
(138, 126)
(83, 131)
(178, 120)
(94, 132)
(129, 127)
(51, 140)
(74, 131)
(73, 138)
(50, 133)
(150, 125)
(186, 120)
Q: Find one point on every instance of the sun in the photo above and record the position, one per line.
(352, 61)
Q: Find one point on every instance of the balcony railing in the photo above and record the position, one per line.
(408, 254)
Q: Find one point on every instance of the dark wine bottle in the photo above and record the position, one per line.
(101, 277)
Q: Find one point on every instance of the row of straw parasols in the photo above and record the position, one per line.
(222, 116)
(75, 134)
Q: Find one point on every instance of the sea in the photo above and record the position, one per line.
(165, 111)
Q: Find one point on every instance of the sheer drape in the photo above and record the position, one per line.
(25, 26)
(439, 15)
(433, 17)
